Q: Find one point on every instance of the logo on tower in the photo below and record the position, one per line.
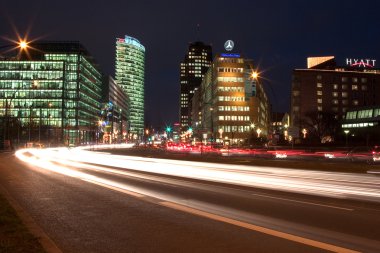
(229, 45)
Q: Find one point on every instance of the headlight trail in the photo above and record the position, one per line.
(329, 184)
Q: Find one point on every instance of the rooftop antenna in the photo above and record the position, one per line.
(198, 32)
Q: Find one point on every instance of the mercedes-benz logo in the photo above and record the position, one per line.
(229, 45)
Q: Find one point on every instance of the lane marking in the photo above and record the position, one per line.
(216, 217)
(135, 194)
(304, 202)
(263, 230)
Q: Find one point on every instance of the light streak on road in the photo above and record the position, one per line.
(330, 184)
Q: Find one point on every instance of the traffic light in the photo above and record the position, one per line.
(168, 129)
(190, 129)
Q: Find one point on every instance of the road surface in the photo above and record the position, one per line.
(90, 202)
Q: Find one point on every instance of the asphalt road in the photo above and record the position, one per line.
(159, 213)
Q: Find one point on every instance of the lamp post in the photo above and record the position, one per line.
(212, 125)
(49, 120)
(258, 131)
(286, 131)
(346, 132)
(39, 127)
(146, 135)
(30, 120)
(252, 127)
(304, 132)
(100, 124)
(221, 133)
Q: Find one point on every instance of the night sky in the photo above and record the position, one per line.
(277, 35)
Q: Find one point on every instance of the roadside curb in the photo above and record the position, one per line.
(46, 242)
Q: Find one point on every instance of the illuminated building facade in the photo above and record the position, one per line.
(234, 107)
(193, 68)
(130, 67)
(51, 95)
(113, 123)
(325, 92)
(362, 125)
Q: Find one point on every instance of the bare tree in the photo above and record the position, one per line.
(320, 125)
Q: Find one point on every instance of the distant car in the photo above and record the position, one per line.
(34, 145)
(334, 154)
(364, 154)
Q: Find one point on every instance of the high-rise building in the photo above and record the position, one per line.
(234, 107)
(193, 68)
(130, 67)
(324, 92)
(51, 94)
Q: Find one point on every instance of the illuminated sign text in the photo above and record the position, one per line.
(360, 62)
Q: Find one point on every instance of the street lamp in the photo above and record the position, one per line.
(212, 125)
(258, 131)
(346, 132)
(146, 135)
(286, 131)
(50, 116)
(221, 133)
(304, 132)
(251, 141)
(100, 124)
(23, 44)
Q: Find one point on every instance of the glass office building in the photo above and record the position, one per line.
(50, 96)
(130, 66)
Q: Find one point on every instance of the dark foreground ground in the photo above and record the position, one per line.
(14, 237)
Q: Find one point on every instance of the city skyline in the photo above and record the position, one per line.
(189, 126)
(279, 35)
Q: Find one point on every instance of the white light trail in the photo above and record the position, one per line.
(331, 184)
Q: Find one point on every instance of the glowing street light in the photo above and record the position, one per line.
(346, 132)
(221, 133)
(255, 75)
(23, 44)
(304, 132)
(258, 131)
